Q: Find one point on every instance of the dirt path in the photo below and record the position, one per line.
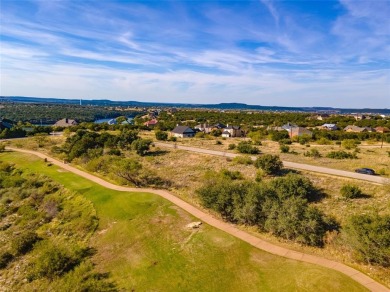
(324, 170)
(226, 227)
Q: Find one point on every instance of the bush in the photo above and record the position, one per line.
(218, 142)
(285, 142)
(247, 148)
(368, 235)
(350, 191)
(161, 135)
(233, 146)
(172, 139)
(270, 164)
(5, 258)
(313, 153)
(304, 139)
(200, 135)
(24, 242)
(284, 148)
(349, 143)
(324, 141)
(243, 160)
(141, 146)
(341, 155)
(55, 259)
(115, 152)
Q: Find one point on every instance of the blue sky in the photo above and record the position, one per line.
(286, 53)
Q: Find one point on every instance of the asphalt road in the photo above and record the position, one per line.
(356, 275)
(288, 164)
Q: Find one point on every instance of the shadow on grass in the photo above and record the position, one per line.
(157, 153)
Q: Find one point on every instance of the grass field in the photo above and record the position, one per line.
(143, 242)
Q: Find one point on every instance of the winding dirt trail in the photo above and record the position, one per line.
(358, 276)
(312, 168)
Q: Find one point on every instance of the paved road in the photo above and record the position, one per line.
(226, 227)
(325, 170)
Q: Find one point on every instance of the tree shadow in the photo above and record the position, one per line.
(157, 153)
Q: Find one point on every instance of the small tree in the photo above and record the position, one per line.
(270, 164)
(349, 144)
(284, 148)
(141, 146)
(350, 191)
(233, 146)
(161, 135)
(247, 148)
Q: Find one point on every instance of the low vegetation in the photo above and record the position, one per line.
(45, 232)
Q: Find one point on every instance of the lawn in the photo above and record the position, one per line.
(143, 242)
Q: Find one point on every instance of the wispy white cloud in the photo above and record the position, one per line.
(257, 52)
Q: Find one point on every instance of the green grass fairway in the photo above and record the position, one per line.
(143, 242)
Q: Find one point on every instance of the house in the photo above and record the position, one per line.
(206, 128)
(233, 131)
(382, 130)
(299, 131)
(183, 132)
(354, 129)
(151, 123)
(329, 127)
(225, 134)
(65, 123)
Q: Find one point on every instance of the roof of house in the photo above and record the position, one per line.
(329, 125)
(65, 123)
(151, 122)
(182, 130)
(289, 126)
(219, 126)
(354, 128)
(382, 129)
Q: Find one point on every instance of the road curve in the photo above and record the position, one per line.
(358, 276)
(313, 168)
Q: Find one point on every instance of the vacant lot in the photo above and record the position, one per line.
(370, 154)
(142, 240)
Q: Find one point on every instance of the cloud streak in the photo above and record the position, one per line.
(264, 52)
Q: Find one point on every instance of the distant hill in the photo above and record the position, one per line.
(220, 106)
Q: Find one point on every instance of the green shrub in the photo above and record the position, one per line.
(350, 143)
(247, 148)
(324, 141)
(161, 135)
(368, 235)
(5, 258)
(243, 160)
(55, 259)
(233, 175)
(341, 155)
(312, 153)
(304, 139)
(270, 164)
(218, 142)
(24, 242)
(285, 142)
(284, 148)
(233, 146)
(350, 191)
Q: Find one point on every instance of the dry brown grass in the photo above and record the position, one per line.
(371, 155)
